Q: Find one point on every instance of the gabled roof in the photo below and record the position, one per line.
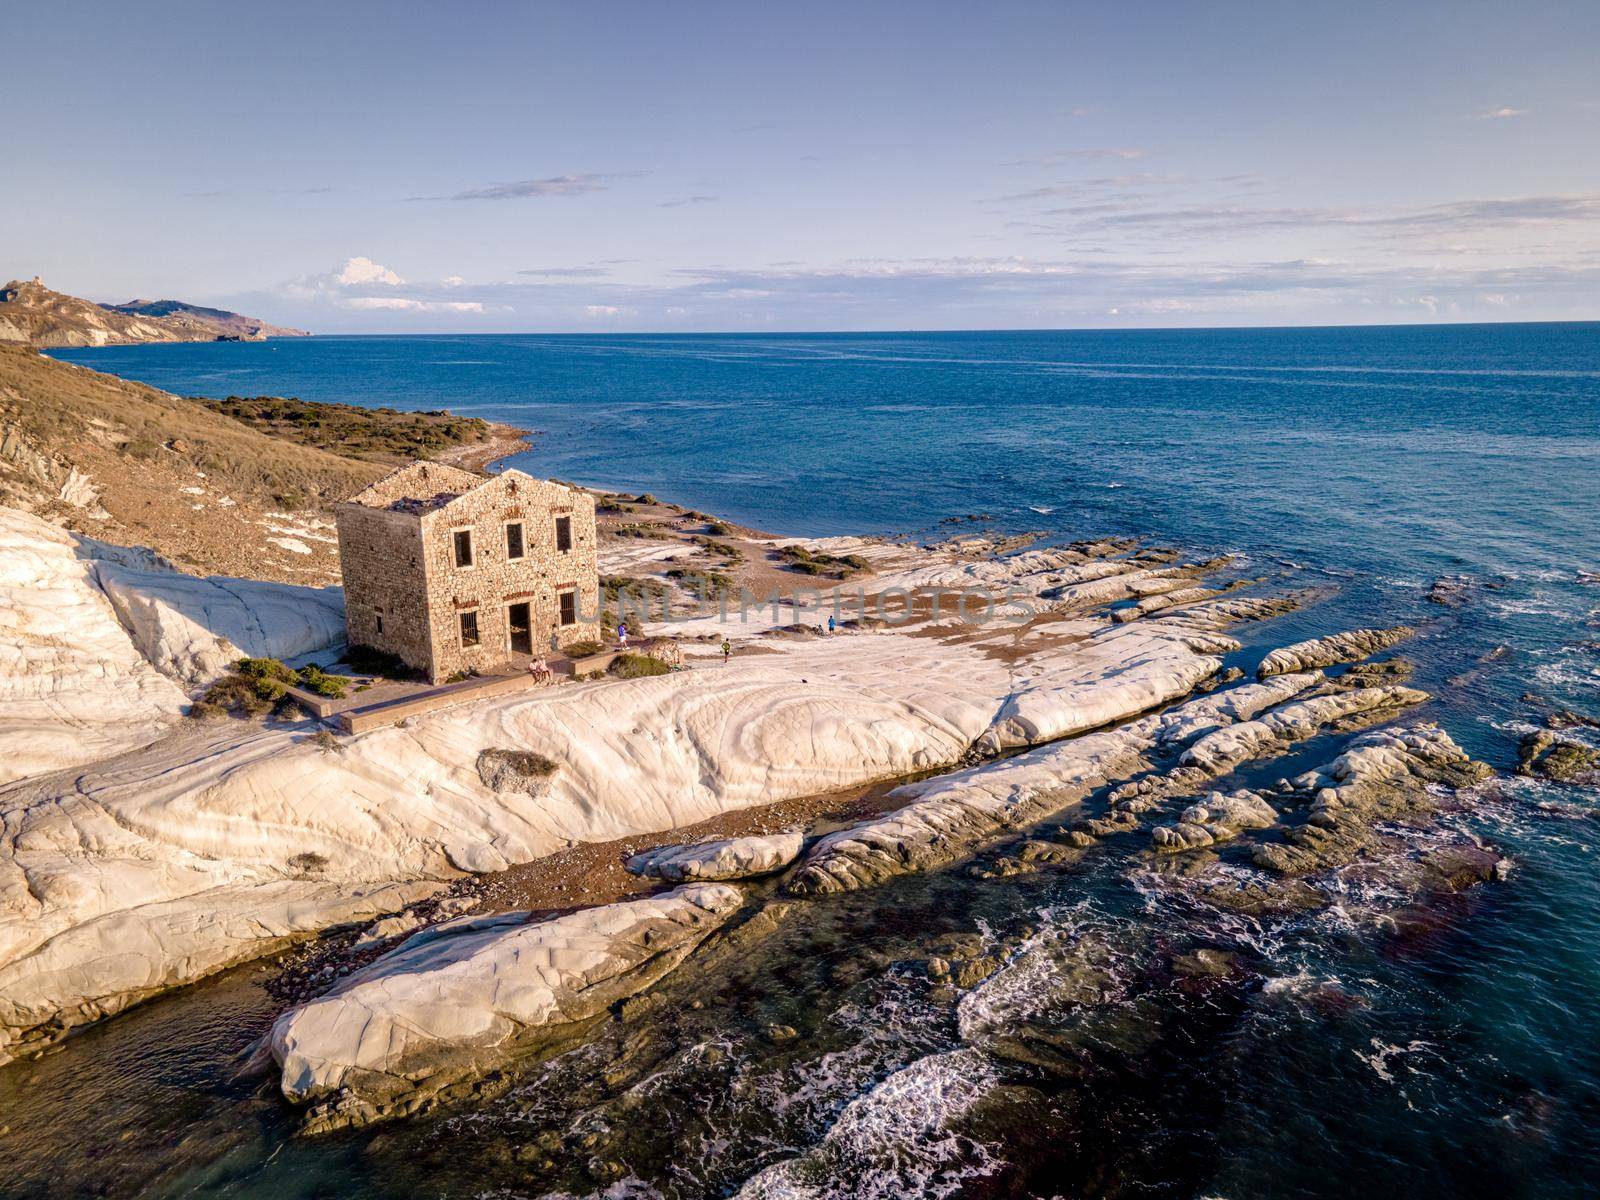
(419, 487)
(425, 487)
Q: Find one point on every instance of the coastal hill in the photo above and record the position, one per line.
(232, 487)
(33, 313)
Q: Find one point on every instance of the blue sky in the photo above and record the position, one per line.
(525, 167)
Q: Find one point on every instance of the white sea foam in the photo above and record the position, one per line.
(899, 1139)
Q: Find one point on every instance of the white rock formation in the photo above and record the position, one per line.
(73, 689)
(950, 814)
(731, 858)
(1219, 819)
(461, 996)
(194, 629)
(207, 818)
(1350, 646)
(1218, 751)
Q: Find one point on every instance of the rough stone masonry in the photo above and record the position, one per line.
(452, 571)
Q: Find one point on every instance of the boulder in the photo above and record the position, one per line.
(733, 858)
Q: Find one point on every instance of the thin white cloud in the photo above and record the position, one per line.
(579, 184)
(566, 272)
(1056, 157)
(1503, 113)
(679, 203)
(407, 304)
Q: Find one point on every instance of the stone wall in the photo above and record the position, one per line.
(398, 562)
(495, 581)
(381, 561)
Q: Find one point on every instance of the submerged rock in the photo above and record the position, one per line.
(1351, 646)
(1382, 776)
(1543, 753)
(462, 997)
(733, 858)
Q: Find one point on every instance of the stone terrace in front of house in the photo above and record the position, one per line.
(453, 572)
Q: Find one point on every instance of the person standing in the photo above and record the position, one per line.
(727, 649)
(832, 624)
(622, 635)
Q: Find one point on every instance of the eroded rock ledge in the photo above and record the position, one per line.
(458, 999)
(1350, 646)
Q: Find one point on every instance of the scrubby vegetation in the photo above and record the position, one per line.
(515, 770)
(581, 649)
(258, 684)
(308, 863)
(381, 435)
(815, 562)
(637, 666)
(721, 549)
(706, 585)
(638, 529)
(613, 587)
(314, 679)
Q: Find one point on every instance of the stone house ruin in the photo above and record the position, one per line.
(453, 571)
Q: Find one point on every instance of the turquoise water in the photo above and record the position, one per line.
(1370, 462)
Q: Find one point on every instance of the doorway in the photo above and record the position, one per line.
(521, 628)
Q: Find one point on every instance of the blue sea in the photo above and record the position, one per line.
(1366, 463)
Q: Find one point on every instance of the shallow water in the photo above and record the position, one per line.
(1458, 1059)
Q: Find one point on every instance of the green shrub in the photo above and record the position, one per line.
(315, 679)
(581, 649)
(718, 529)
(716, 547)
(202, 710)
(639, 530)
(637, 666)
(265, 668)
(237, 694)
(706, 585)
(815, 562)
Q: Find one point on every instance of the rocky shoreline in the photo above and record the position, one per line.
(1111, 724)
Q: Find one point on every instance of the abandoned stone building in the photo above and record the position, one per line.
(452, 571)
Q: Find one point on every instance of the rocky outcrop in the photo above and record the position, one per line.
(194, 629)
(1219, 819)
(732, 858)
(1350, 646)
(1382, 776)
(1227, 747)
(948, 816)
(461, 998)
(30, 312)
(188, 834)
(1562, 759)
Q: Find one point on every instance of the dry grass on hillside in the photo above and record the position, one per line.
(205, 490)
